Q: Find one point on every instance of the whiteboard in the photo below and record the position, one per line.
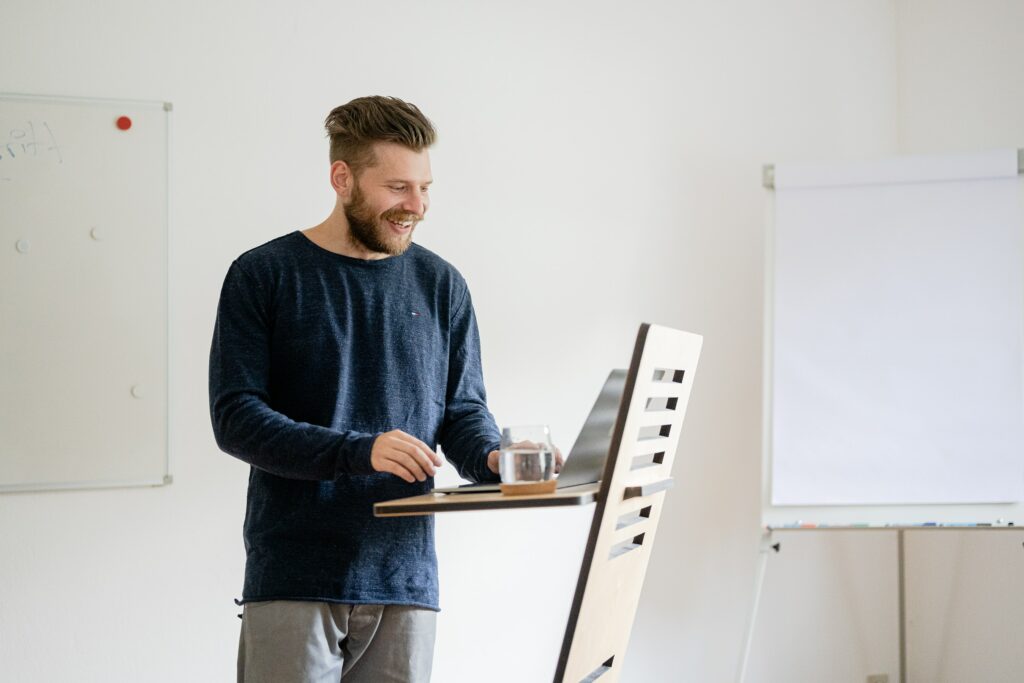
(83, 292)
(894, 389)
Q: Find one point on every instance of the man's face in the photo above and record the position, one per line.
(389, 198)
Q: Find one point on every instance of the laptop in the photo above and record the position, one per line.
(585, 461)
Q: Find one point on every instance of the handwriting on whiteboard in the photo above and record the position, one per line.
(28, 141)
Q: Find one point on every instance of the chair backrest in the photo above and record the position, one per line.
(636, 476)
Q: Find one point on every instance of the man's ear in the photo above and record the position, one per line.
(342, 179)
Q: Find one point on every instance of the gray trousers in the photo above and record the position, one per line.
(284, 641)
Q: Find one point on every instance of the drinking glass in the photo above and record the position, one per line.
(527, 455)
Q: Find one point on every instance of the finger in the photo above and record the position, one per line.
(429, 454)
(415, 463)
(427, 450)
(399, 471)
(418, 458)
(391, 460)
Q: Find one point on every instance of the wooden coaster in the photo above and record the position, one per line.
(528, 488)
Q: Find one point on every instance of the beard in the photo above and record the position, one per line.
(372, 231)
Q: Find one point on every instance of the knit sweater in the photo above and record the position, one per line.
(314, 355)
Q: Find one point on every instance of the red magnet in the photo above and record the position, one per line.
(124, 123)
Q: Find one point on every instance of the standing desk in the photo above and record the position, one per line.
(431, 503)
(628, 502)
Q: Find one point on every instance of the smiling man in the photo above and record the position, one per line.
(342, 355)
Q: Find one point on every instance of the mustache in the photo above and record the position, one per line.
(399, 216)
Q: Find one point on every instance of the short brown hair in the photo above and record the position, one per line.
(354, 127)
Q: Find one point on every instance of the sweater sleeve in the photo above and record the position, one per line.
(244, 423)
(469, 432)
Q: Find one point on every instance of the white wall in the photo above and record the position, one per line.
(960, 67)
(599, 165)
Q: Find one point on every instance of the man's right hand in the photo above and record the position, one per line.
(404, 456)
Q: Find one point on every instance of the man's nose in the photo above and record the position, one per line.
(415, 203)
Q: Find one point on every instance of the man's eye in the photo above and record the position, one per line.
(397, 188)
(425, 189)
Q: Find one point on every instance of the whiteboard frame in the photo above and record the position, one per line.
(166, 477)
(846, 516)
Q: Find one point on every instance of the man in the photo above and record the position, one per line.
(342, 355)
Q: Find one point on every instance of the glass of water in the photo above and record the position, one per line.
(527, 455)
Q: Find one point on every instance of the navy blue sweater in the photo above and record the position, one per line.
(314, 355)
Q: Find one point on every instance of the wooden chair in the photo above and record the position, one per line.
(629, 503)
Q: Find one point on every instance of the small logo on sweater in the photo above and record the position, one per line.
(415, 314)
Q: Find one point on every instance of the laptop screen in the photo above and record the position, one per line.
(586, 459)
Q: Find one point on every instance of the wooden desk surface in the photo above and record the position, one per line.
(431, 503)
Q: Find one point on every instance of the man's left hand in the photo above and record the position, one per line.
(493, 456)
